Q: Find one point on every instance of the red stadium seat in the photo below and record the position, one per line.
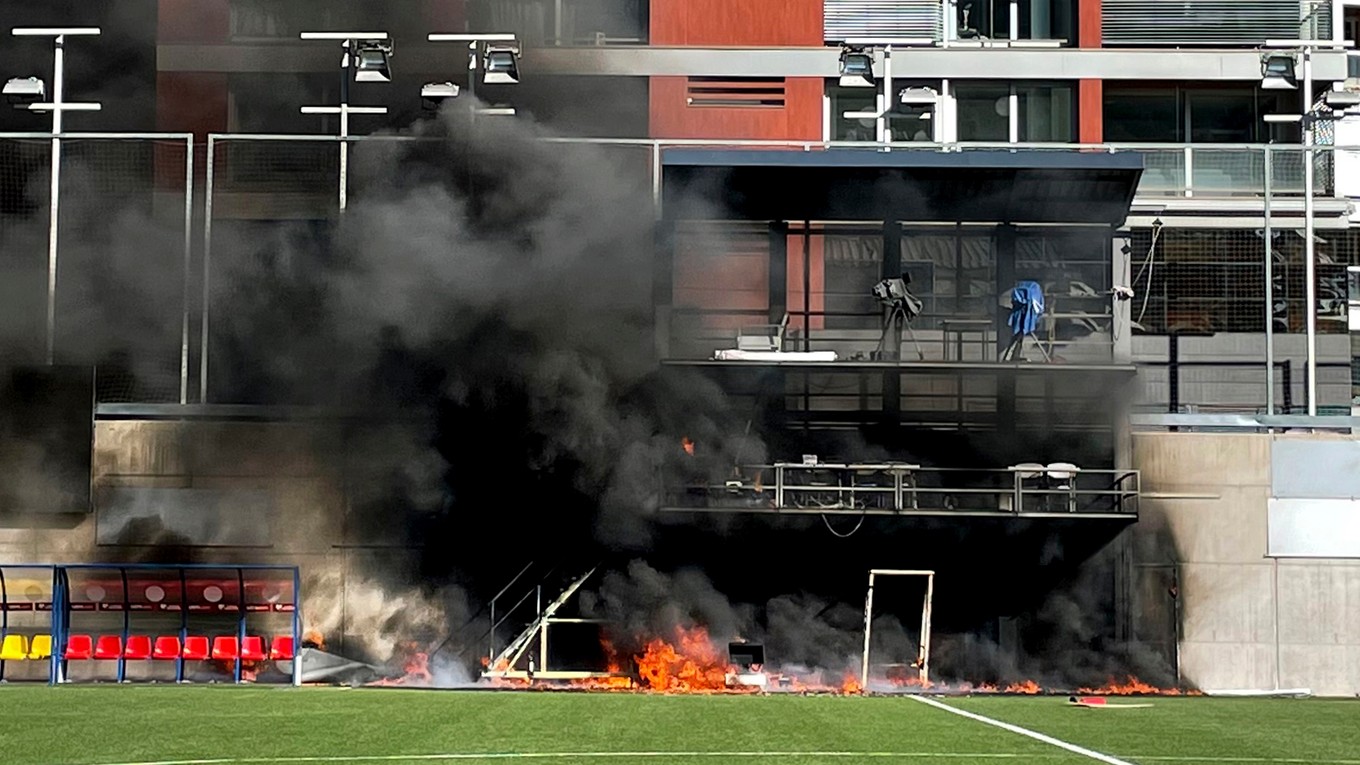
(166, 648)
(78, 647)
(138, 647)
(196, 648)
(252, 648)
(225, 648)
(108, 647)
(282, 648)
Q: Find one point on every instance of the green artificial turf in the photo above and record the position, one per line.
(1252, 730)
(85, 725)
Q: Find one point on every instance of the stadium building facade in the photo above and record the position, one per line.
(1091, 148)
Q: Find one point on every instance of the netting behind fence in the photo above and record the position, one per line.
(120, 258)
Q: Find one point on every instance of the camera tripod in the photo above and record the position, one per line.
(897, 317)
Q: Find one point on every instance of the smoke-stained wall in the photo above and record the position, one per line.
(1243, 620)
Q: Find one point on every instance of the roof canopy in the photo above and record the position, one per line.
(971, 186)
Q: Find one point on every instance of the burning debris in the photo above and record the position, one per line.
(690, 664)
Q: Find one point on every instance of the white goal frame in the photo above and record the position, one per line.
(923, 648)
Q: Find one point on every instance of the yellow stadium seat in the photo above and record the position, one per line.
(40, 647)
(15, 648)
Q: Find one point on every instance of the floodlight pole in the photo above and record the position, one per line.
(58, 106)
(349, 41)
(886, 105)
(474, 43)
(1308, 120)
(1270, 286)
(1309, 257)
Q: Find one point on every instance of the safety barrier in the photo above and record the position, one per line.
(124, 622)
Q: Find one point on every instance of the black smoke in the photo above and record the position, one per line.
(480, 322)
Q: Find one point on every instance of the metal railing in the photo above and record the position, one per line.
(896, 488)
(698, 333)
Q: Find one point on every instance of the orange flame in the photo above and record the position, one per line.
(694, 666)
(851, 685)
(1132, 686)
(903, 676)
(415, 667)
(687, 445)
(1028, 687)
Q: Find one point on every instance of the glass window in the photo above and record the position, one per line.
(1037, 20)
(853, 100)
(1142, 115)
(904, 127)
(1221, 116)
(1046, 112)
(581, 22)
(1048, 20)
(983, 111)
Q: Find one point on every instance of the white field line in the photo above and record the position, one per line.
(475, 756)
(494, 756)
(1037, 736)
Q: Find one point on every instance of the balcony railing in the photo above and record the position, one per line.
(1209, 169)
(1171, 170)
(905, 489)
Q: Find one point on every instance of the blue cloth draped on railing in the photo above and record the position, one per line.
(1027, 307)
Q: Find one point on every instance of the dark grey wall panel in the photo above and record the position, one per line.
(183, 517)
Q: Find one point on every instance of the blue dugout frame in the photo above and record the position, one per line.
(60, 608)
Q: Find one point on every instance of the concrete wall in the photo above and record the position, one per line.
(294, 471)
(1244, 620)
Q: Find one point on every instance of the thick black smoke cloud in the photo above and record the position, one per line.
(482, 317)
(511, 280)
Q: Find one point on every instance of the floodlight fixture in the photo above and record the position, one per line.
(919, 102)
(857, 67)
(433, 94)
(501, 64)
(1341, 100)
(917, 96)
(1277, 71)
(372, 61)
(23, 91)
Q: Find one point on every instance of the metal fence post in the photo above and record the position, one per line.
(207, 270)
(188, 268)
(1270, 286)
